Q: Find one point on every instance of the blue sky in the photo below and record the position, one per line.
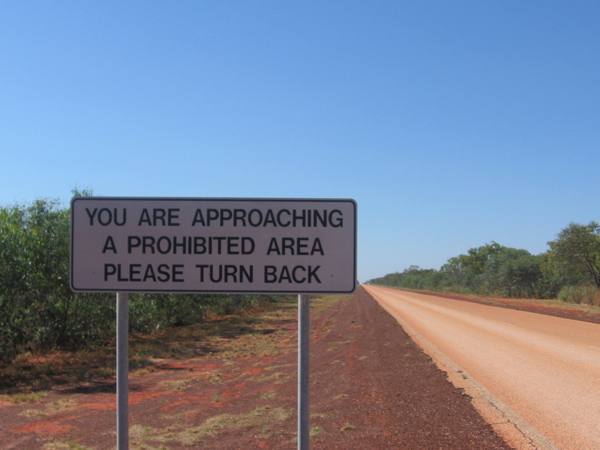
(452, 124)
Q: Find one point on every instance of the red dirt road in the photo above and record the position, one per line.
(543, 372)
(371, 388)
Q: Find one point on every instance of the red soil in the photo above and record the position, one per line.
(371, 388)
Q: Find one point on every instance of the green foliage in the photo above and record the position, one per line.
(417, 278)
(577, 251)
(511, 272)
(38, 310)
(582, 295)
(494, 270)
(34, 245)
(488, 270)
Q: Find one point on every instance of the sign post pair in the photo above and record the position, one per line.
(208, 245)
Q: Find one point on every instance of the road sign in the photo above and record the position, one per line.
(213, 245)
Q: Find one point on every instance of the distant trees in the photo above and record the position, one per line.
(491, 269)
(568, 270)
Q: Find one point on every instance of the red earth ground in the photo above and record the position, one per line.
(371, 388)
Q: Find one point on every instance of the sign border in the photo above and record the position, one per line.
(215, 199)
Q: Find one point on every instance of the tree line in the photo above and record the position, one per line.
(38, 310)
(569, 270)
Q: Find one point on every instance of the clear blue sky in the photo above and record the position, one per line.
(452, 124)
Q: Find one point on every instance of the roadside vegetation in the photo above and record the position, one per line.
(569, 270)
(246, 334)
(38, 310)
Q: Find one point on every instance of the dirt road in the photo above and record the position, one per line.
(540, 372)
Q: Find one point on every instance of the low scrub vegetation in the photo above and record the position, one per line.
(581, 295)
(39, 311)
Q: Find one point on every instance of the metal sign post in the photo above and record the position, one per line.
(303, 371)
(122, 371)
(213, 245)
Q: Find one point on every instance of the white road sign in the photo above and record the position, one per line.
(213, 245)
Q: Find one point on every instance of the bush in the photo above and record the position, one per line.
(35, 299)
(581, 295)
(38, 310)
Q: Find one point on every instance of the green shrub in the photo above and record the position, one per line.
(581, 295)
(38, 310)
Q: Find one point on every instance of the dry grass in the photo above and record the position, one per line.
(62, 404)
(177, 385)
(264, 415)
(347, 427)
(315, 431)
(347, 341)
(52, 407)
(24, 397)
(269, 395)
(140, 438)
(64, 445)
(149, 438)
(276, 377)
(35, 413)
